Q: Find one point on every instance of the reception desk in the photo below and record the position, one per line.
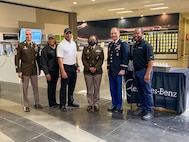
(170, 90)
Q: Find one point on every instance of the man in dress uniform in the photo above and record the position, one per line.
(92, 58)
(26, 67)
(117, 63)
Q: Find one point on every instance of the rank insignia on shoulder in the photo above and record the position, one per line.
(15, 52)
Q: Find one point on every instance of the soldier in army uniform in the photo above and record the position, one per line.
(92, 58)
(117, 63)
(26, 67)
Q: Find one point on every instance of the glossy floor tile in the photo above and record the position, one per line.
(78, 125)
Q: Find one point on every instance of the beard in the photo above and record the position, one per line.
(138, 38)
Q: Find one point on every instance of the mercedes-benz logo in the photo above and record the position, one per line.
(130, 88)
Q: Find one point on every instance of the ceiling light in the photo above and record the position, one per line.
(141, 15)
(124, 12)
(74, 2)
(121, 17)
(92, 0)
(158, 8)
(116, 9)
(156, 4)
(164, 13)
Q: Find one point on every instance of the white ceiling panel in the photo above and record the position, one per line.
(97, 10)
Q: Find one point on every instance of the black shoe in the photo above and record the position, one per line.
(96, 109)
(119, 110)
(63, 109)
(60, 106)
(147, 116)
(139, 112)
(73, 105)
(55, 106)
(89, 108)
(112, 109)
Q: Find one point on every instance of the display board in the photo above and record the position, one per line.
(164, 42)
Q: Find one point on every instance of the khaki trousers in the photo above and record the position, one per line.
(34, 83)
(93, 88)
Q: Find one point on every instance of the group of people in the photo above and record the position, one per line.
(61, 60)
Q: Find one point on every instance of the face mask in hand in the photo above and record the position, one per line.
(92, 43)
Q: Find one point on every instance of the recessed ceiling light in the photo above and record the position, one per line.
(120, 12)
(116, 9)
(121, 17)
(163, 13)
(74, 2)
(92, 0)
(156, 4)
(158, 8)
(141, 15)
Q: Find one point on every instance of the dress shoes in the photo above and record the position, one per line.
(26, 109)
(54, 106)
(112, 109)
(96, 108)
(148, 116)
(38, 106)
(63, 109)
(119, 110)
(89, 108)
(73, 105)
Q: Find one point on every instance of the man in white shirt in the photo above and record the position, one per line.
(68, 63)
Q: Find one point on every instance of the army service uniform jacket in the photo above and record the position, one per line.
(92, 57)
(118, 57)
(26, 58)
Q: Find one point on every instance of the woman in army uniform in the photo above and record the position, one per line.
(92, 58)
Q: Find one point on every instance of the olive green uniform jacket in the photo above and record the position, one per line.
(27, 58)
(92, 57)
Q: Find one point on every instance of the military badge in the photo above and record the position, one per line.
(98, 51)
(118, 47)
(25, 47)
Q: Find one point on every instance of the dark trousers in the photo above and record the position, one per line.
(115, 83)
(51, 85)
(144, 91)
(68, 84)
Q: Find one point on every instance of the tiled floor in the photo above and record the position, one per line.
(78, 125)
